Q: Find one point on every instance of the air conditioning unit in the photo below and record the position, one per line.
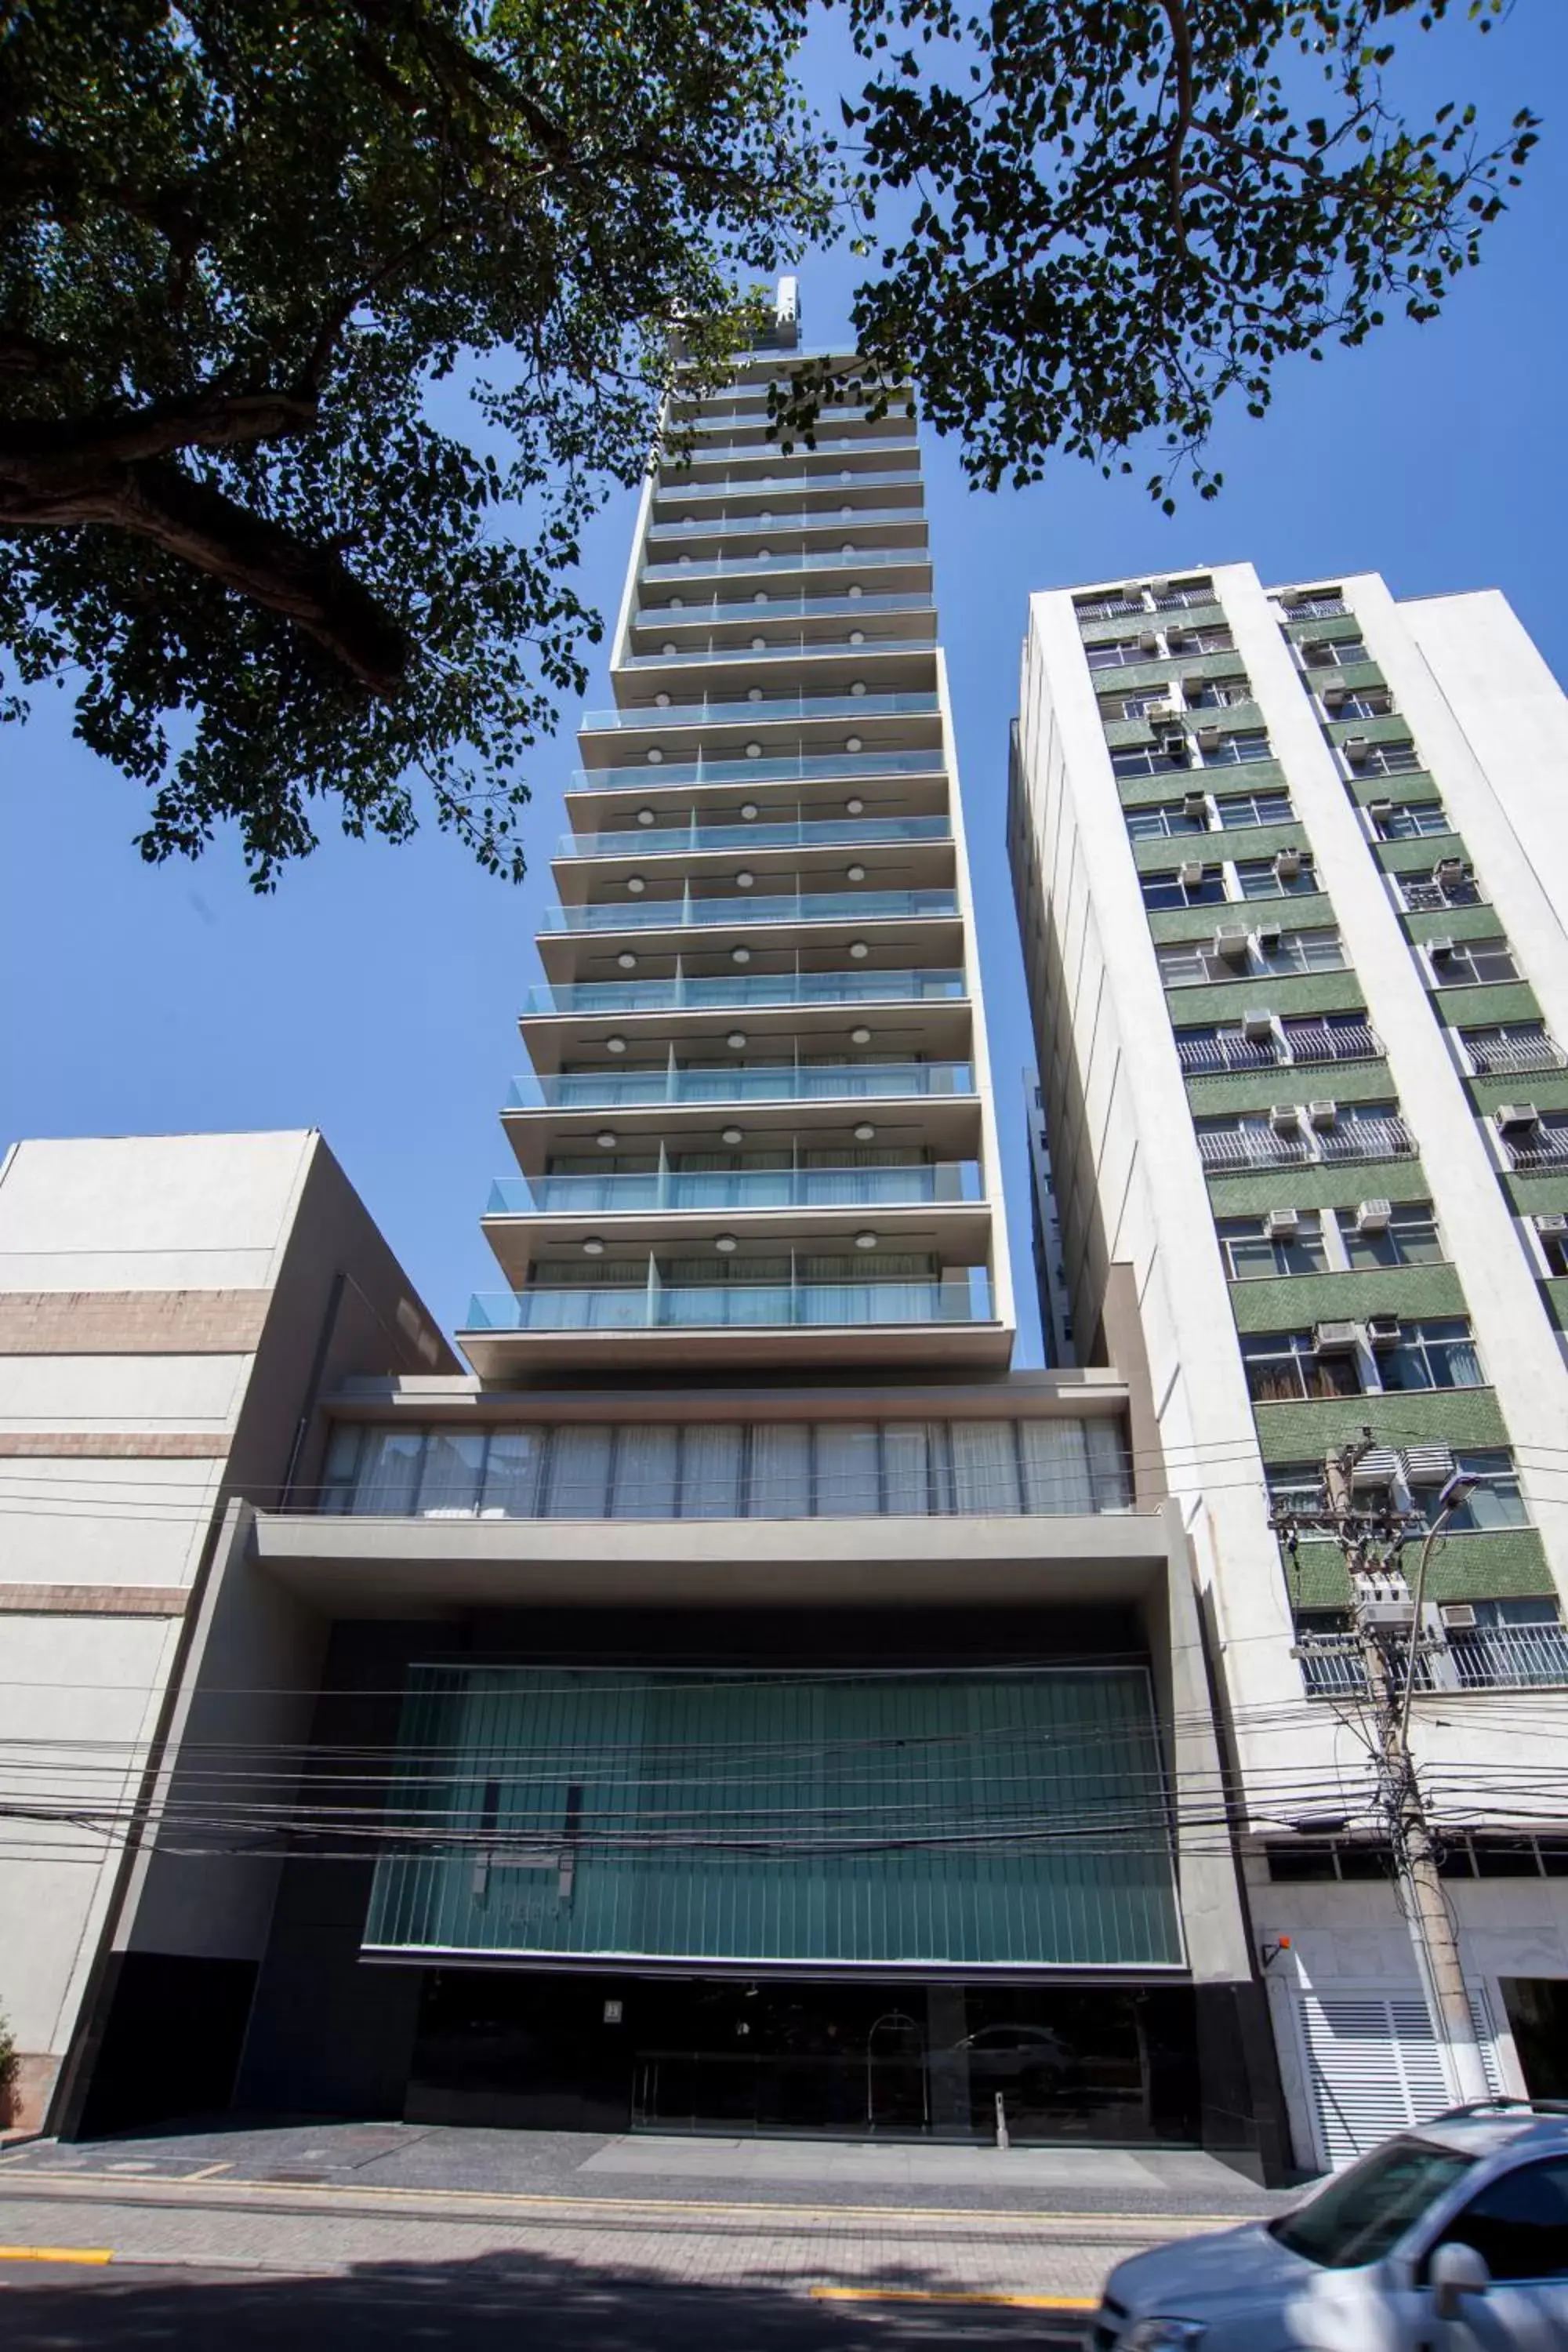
(1552, 1221)
(1190, 875)
(1195, 804)
(1334, 696)
(1174, 746)
(1426, 1465)
(1517, 1119)
(1148, 642)
(1380, 811)
(1355, 747)
(1231, 946)
(1257, 1027)
(1285, 1118)
(1449, 870)
(1131, 590)
(1268, 938)
(1322, 1113)
(1387, 1616)
(1157, 713)
(1382, 1330)
(1281, 1224)
(1440, 950)
(1373, 1216)
(1378, 1467)
(1208, 739)
(1292, 597)
(1289, 864)
(1457, 1616)
(1161, 587)
(1336, 1338)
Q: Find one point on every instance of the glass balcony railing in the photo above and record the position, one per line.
(815, 560)
(965, 1298)
(799, 907)
(735, 1188)
(791, 648)
(786, 1082)
(742, 610)
(787, 767)
(731, 991)
(789, 484)
(732, 713)
(733, 526)
(802, 833)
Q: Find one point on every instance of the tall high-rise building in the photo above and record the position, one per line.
(1285, 869)
(784, 1716)
(759, 1128)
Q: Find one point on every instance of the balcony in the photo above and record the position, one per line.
(1500, 1058)
(746, 613)
(792, 648)
(736, 907)
(961, 1297)
(667, 841)
(649, 716)
(1483, 1657)
(1312, 1044)
(785, 1083)
(757, 486)
(822, 560)
(679, 1191)
(785, 768)
(754, 526)
(1352, 1139)
(724, 993)
(1540, 1147)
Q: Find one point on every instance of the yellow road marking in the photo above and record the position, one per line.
(938, 2295)
(209, 2171)
(95, 2254)
(1132, 2225)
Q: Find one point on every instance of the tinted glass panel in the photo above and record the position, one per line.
(1519, 2225)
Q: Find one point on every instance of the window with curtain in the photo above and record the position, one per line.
(1056, 1476)
(712, 1455)
(985, 1467)
(646, 1462)
(579, 1485)
(454, 1467)
(780, 1482)
(914, 1469)
(389, 1471)
(848, 1470)
(512, 1466)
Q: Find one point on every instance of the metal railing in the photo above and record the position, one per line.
(1503, 1056)
(840, 1081)
(1546, 1147)
(731, 991)
(785, 767)
(1355, 1140)
(735, 1188)
(799, 907)
(727, 526)
(963, 1297)
(744, 611)
(1509, 1657)
(1311, 1044)
(804, 477)
(1203, 1056)
(799, 833)
(712, 712)
(1316, 608)
(1434, 897)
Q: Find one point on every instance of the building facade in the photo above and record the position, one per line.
(1286, 895)
(745, 1703)
(172, 1309)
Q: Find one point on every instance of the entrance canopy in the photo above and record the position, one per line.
(979, 1819)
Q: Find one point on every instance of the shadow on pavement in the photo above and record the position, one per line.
(524, 2302)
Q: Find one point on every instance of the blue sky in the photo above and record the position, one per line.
(374, 996)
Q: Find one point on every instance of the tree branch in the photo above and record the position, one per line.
(53, 456)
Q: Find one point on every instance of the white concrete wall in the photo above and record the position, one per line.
(149, 1212)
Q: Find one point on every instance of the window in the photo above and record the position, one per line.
(1254, 808)
(1170, 890)
(1166, 817)
(1260, 878)
(1554, 1250)
(1510, 1046)
(1421, 896)
(1519, 2224)
(1282, 1366)
(1365, 2210)
(1544, 1145)
(1411, 1238)
(1250, 1254)
(1133, 705)
(1386, 759)
(1296, 1486)
(1411, 820)
(1322, 605)
(1371, 702)
(1120, 654)
(1216, 693)
(1473, 963)
(1232, 750)
(1335, 653)
(1305, 951)
(1212, 640)
(1438, 1355)
(1148, 760)
(1498, 1502)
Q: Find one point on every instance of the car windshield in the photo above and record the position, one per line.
(1362, 2213)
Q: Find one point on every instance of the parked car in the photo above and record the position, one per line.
(1449, 2238)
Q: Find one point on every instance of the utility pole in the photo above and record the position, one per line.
(1372, 1543)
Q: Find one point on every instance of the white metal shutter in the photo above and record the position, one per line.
(1373, 2066)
